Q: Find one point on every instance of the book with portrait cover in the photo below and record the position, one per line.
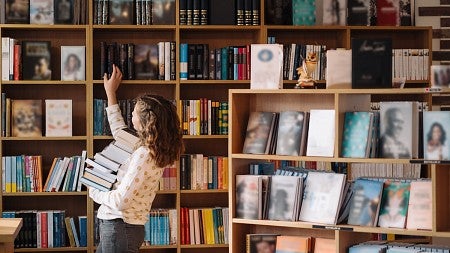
(290, 128)
(356, 136)
(36, 60)
(42, 12)
(146, 61)
(121, 12)
(394, 204)
(285, 195)
(258, 132)
(334, 12)
(436, 129)
(163, 12)
(58, 117)
(293, 244)
(17, 11)
(26, 117)
(420, 205)
(64, 11)
(440, 76)
(248, 196)
(267, 66)
(365, 203)
(261, 243)
(73, 63)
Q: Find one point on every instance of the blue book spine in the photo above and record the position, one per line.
(216, 225)
(82, 220)
(147, 229)
(56, 229)
(19, 173)
(166, 227)
(235, 63)
(214, 173)
(224, 63)
(98, 117)
(183, 61)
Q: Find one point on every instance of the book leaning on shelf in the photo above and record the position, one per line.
(101, 170)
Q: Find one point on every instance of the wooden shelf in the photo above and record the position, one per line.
(43, 27)
(214, 82)
(61, 249)
(141, 82)
(201, 137)
(233, 28)
(209, 191)
(135, 27)
(201, 246)
(44, 194)
(173, 246)
(44, 138)
(48, 82)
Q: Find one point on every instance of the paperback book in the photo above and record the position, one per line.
(436, 127)
(267, 66)
(58, 117)
(257, 135)
(36, 60)
(365, 203)
(73, 63)
(394, 204)
(26, 118)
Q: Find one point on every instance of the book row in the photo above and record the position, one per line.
(387, 170)
(139, 61)
(24, 117)
(101, 124)
(412, 64)
(65, 174)
(204, 117)
(32, 60)
(204, 225)
(161, 228)
(134, 12)
(201, 172)
(269, 167)
(396, 247)
(272, 243)
(204, 12)
(49, 229)
(46, 12)
(295, 194)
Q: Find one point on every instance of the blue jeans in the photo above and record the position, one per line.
(116, 236)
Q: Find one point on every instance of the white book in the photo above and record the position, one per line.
(5, 58)
(405, 63)
(339, 68)
(106, 162)
(426, 63)
(58, 117)
(115, 153)
(97, 165)
(104, 175)
(420, 205)
(398, 63)
(167, 60)
(68, 174)
(50, 228)
(321, 133)
(38, 229)
(420, 65)
(12, 42)
(267, 66)
(173, 226)
(60, 174)
(191, 226)
(80, 174)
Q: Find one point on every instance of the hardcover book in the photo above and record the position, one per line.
(334, 12)
(420, 205)
(303, 12)
(284, 197)
(64, 10)
(146, 62)
(256, 243)
(356, 136)
(17, 11)
(436, 127)
(163, 12)
(371, 63)
(365, 203)
(321, 133)
(36, 60)
(26, 118)
(324, 245)
(257, 135)
(58, 117)
(73, 63)
(339, 69)
(290, 127)
(388, 13)
(440, 76)
(121, 12)
(278, 12)
(248, 196)
(293, 244)
(359, 12)
(267, 66)
(221, 12)
(41, 12)
(394, 204)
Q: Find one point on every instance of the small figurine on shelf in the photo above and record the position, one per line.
(305, 71)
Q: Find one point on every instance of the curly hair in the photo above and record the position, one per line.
(161, 131)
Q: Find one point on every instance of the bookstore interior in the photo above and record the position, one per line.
(311, 126)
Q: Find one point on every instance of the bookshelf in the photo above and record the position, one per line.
(82, 94)
(243, 102)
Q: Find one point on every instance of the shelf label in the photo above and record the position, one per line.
(433, 89)
(333, 227)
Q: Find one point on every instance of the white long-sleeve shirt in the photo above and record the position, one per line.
(137, 181)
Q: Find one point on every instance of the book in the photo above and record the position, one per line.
(365, 203)
(303, 12)
(440, 76)
(278, 12)
(321, 133)
(64, 10)
(334, 12)
(289, 136)
(267, 66)
(293, 244)
(436, 125)
(256, 243)
(359, 12)
(285, 195)
(322, 197)
(399, 128)
(26, 118)
(339, 68)
(257, 134)
(420, 205)
(248, 196)
(388, 13)
(36, 60)
(58, 117)
(222, 12)
(324, 245)
(406, 9)
(121, 12)
(17, 11)
(163, 12)
(42, 12)
(394, 204)
(146, 61)
(356, 136)
(371, 63)
(73, 63)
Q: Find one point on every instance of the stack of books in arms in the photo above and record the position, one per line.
(396, 247)
(101, 170)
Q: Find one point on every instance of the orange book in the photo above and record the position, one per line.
(50, 173)
(44, 230)
(293, 244)
(324, 245)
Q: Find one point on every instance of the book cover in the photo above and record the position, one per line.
(248, 196)
(436, 126)
(365, 203)
(406, 12)
(420, 205)
(278, 12)
(26, 118)
(257, 134)
(339, 69)
(42, 12)
(290, 127)
(321, 133)
(334, 12)
(388, 12)
(358, 12)
(146, 61)
(163, 12)
(394, 204)
(121, 12)
(293, 244)
(371, 63)
(356, 136)
(17, 11)
(303, 12)
(399, 129)
(73, 63)
(440, 76)
(63, 10)
(36, 60)
(322, 197)
(267, 66)
(324, 245)
(222, 12)
(58, 117)
(256, 243)
(283, 196)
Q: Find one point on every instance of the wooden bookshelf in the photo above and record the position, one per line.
(82, 94)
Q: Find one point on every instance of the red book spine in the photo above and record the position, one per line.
(248, 61)
(244, 63)
(44, 230)
(186, 227)
(220, 172)
(17, 61)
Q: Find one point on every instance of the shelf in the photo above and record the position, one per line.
(43, 194)
(337, 91)
(44, 27)
(307, 28)
(44, 138)
(201, 137)
(142, 82)
(234, 28)
(103, 137)
(47, 82)
(135, 27)
(210, 191)
(200, 246)
(166, 192)
(51, 249)
(174, 246)
(214, 82)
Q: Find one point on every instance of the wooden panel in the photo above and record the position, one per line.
(131, 90)
(441, 198)
(333, 38)
(204, 199)
(207, 147)
(220, 38)
(218, 92)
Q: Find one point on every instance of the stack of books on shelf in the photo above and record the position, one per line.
(204, 225)
(168, 181)
(287, 243)
(65, 174)
(49, 229)
(204, 117)
(200, 172)
(101, 170)
(394, 246)
(161, 228)
(139, 61)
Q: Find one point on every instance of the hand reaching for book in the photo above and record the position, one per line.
(112, 84)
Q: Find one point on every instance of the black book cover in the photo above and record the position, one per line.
(240, 12)
(17, 11)
(123, 61)
(222, 12)
(255, 12)
(248, 12)
(121, 12)
(130, 61)
(196, 12)
(205, 60)
(212, 64)
(199, 62)
(278, 12)
(230, 63)
(103, 60)
(183, 12)
(189, 11)
(204, 12)
(36, 64)
(371, 63)
(63, 10)
(192, 61)
(172, 60)
(358, 12)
